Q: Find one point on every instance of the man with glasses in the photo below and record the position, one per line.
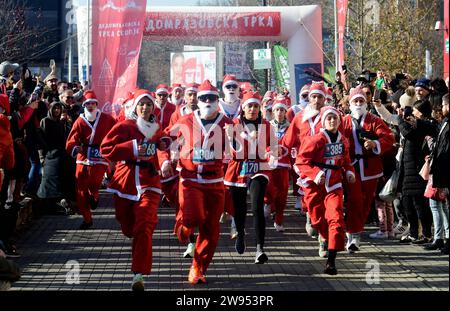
(84, 143)
(72, 110)
(164, 109)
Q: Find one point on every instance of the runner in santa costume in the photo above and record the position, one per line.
(369, 138)
(176, 94)
(302, 102)
(163, 109)
(133, 144)
(83, 143)
(230, 105)
(249, 169)
(202, 141)
(323, 159)
(306, 123)
(277, 189)
(172, 130)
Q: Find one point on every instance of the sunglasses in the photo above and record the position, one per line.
(210, 97)
(304, 95)
(231, 86)
(162, 95)
(69, 97)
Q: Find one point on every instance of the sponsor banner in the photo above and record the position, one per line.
(341, 7)
(302, 78)
(83, 35)
(282, 75)
(190, 67)
(251, 24)
(117, 29)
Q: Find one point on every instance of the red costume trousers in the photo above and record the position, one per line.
(89, 180)
(170, 190)
(201, 206)
(360, 196)
(327, 214)
(138, 221)
(277, 192)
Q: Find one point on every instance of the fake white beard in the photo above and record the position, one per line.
(90, 116)
(358, 111)
(205, 111)
(309, 113)
(148, 129)
(303, 103)
(230, 98)
(176, 101)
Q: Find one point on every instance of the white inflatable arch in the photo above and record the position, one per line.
(300, 26)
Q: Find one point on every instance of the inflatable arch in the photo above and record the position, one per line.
(300, 26)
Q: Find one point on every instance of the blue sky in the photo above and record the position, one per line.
(152, 2)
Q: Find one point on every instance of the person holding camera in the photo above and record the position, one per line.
(369, 138)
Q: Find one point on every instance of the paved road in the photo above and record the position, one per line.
(103, 256)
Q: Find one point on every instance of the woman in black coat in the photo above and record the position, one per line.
(52, 154)
(414, 129)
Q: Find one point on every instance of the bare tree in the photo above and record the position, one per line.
(19, 33)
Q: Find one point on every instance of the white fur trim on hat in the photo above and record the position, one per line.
(136, 101)
(357, 96)
(162, 90)
(251, 100)
(201, 93)
(90, 100)
(326, 113)
(279, 105)
(316, 92)
(193, 89)
(230, 82)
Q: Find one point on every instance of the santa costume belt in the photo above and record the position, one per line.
(324, 165)
(202, 173)
(148, 165)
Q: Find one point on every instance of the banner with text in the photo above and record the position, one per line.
(117, 29)
(282, 75)
(194, 25)
(341, 7)
(190, 67)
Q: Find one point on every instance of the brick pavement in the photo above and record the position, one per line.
(103, 255)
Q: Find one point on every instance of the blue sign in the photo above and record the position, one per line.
(302, 78)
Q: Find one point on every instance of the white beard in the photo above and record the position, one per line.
(148, 129)
(175, 101)
(303, 103)
(358, 111)
(309, 113)
(90, 116)
(205, 111)
(230, 98)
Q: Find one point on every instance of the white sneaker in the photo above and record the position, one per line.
(298, 203)
(323, 247)
(278, 228)
(190, 250)
(356, 240)
(379, 235)
(267, 211)
(310, 230)
(233, 233)
(401, 230)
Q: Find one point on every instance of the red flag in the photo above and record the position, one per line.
(341, 7)
(117, 29)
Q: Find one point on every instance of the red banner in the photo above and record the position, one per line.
(167, 24)
(341, 7)
(117, 28)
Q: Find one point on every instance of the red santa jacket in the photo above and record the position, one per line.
(134, 174)
(88, 138)
(180, 111)
(6, 144)
(202, 148)
(163, 115)
(369, 161)
(292, 112)
(319, 156)
(248, 158)
(280, 131)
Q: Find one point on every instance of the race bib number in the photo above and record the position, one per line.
(249, 168)
(333, 150)
(95, 154)
(150, 149)
(202, 156)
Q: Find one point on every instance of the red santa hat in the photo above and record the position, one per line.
(192, 87)
(89, 97)
(326, 110)
(251, 97)
(281, 102)
(317, 87)
(329, 93)
(305, 89)
(4, 103)
(162, 88)
(270, 95)
(357, 92)
(206, 88)
(140, 94)
(176, 86)
(229, 79)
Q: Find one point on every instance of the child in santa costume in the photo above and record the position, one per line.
(249, 169)
(306, 123)
(133, 144)
(322, 160)
(190, 99)
(83, 143)
(201, 190)
(277, 189)
(369, 138)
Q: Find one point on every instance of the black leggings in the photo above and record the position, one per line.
(417, 208)
(257, 189)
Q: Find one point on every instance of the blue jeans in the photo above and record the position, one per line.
(34, 177)
(439, 211)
